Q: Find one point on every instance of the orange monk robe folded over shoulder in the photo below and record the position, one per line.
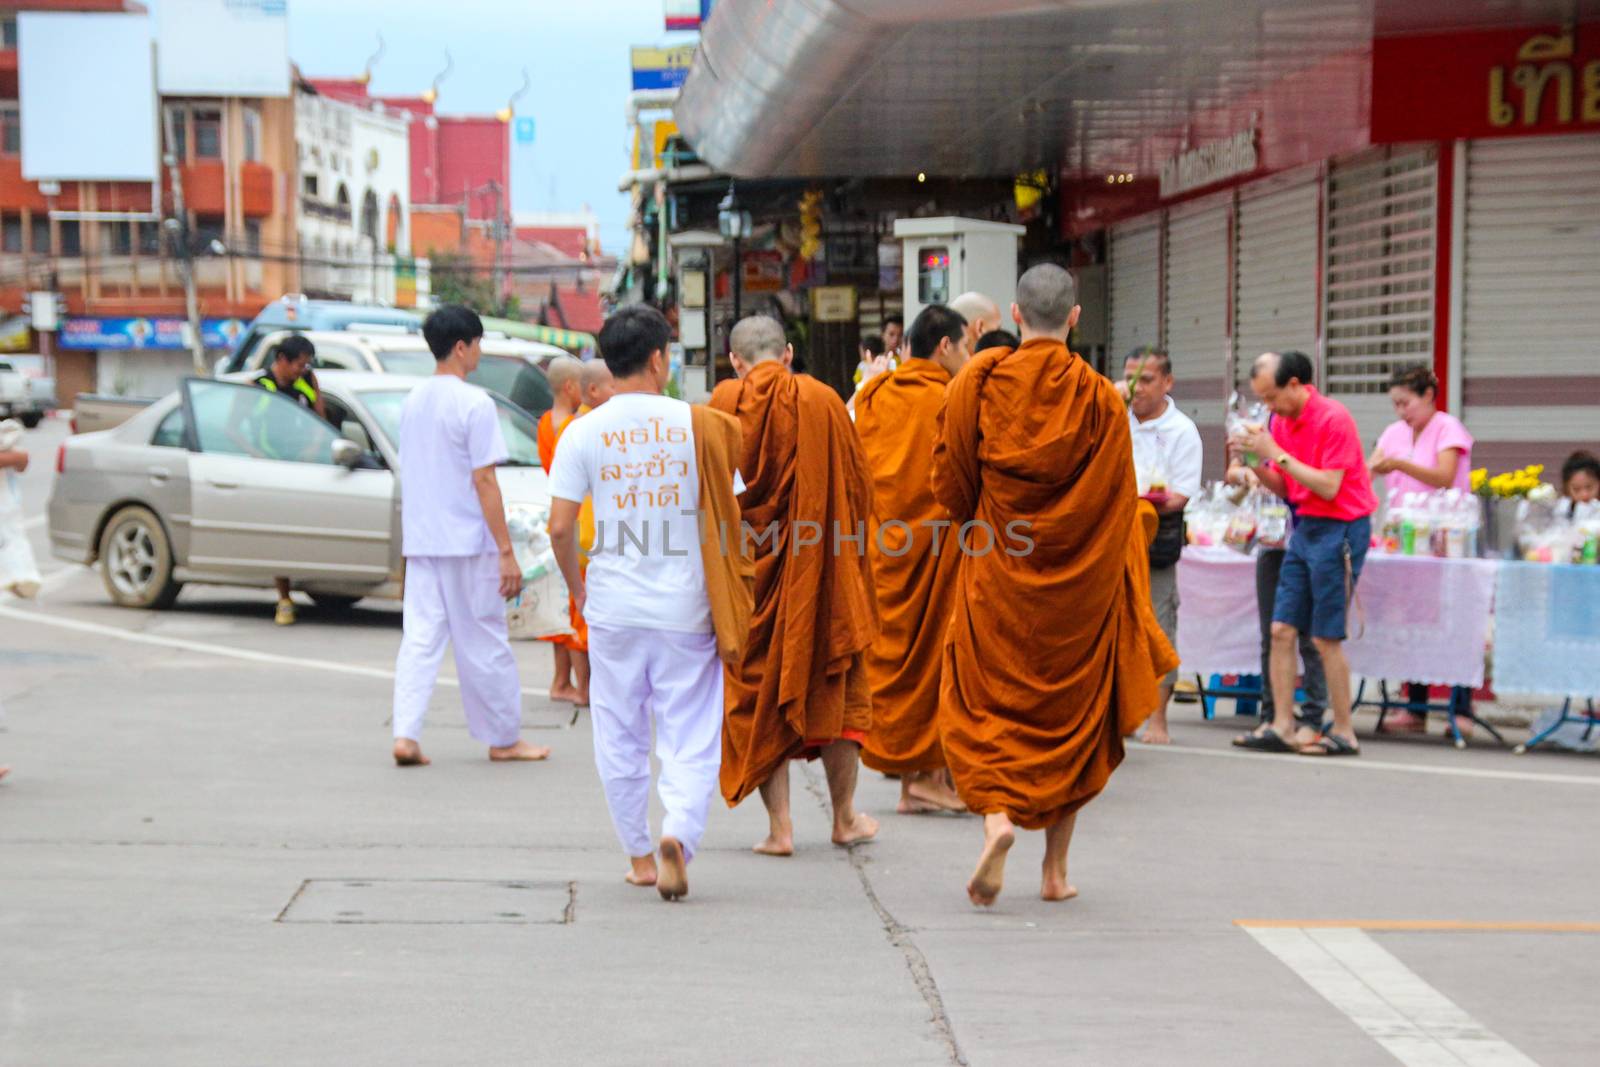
(1053, 653)
(549, 437)
(729, 568)
(800, 683)
(914, 561)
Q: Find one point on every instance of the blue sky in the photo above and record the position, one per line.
(575, 50)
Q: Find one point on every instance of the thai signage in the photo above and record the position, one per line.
(1486, 84)
(1210, 163)
(137, 333)
(661, 68)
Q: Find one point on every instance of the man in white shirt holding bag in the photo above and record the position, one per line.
(1166, 460)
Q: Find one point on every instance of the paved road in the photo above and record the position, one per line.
(208, 859)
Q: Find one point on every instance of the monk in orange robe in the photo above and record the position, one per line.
(1054, 654)
(571, 681)
(800, 688)
(914, 560)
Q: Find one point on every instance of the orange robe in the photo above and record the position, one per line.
(800, 682)
(1053, 653)
(549, 437)
(897, 416)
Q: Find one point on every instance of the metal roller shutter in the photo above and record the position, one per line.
(1135, 286)
(1276, 259)
(1378, 276)
(1197, 308)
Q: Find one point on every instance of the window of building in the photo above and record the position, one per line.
(342, 198)
(207, 228)
(117, 238)
(39, 237)
(179, 125)
(148, 235)
(71, 238)
(308, 185)
(252, 135)
(10, 128)
(369, 217)
(8, 31)
(252, 236)
(207, 133)
(11, 234)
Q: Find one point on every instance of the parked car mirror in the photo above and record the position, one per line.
(346, 453)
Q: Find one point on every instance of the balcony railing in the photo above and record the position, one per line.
(313, 208)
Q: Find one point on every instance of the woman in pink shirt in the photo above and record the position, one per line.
(1427, 449)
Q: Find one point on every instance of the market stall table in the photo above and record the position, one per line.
(1547, 637)
(1417, 618)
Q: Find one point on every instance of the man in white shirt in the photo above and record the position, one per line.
(460, 567)
(1166, 460)
(652, 648)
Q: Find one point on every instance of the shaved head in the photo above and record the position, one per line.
(976, 308)
(597, 383)
(563, 369)
(758, 339)
(1046, 296)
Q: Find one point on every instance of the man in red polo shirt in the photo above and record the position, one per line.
(1312, 457)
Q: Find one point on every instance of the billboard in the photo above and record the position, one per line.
(73, 129)
(686, 14)
(78, 333)
(661, 68)
(222, 47)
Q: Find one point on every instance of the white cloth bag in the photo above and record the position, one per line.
(19, 574)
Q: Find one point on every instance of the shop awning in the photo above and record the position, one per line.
(968, 88)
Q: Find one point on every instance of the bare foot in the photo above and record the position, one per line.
(1156, 734)
(582, 699)
(1304, 736)
(565, 693)
(924, 793)
(674, 881)
(780, 842)
(862, 828)
(1055, 887)
(643, 871)
(990, 875)
(4, 771)
(407, 753)
(521, 752)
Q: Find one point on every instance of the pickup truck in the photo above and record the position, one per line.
(21, 397)
(94, 412)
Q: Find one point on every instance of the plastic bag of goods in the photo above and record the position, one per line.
(19, 573)
(1240, 533)
(1586, 532)
(1245, 417)
(1544, 535)
(1204, 518)
(1273, 524)
(541, 608)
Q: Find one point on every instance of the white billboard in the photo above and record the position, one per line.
(222, 47)
(88, 97)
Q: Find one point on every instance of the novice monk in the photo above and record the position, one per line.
(663, 616)
(571, 680)
(460, 567)
(801, 688)
(1053, 654)
(597, 383)
(914, 557)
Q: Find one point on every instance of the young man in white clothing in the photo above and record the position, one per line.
(1166, 460)
(652, 649)
(460, 567)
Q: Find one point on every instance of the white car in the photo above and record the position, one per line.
(225, 483)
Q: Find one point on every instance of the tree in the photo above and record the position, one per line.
(457, 280)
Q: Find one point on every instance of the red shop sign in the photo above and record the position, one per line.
(1495, 83)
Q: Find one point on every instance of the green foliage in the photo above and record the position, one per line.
(457, 280)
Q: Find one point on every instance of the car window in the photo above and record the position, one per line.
(521, 433)
(245, 420)
(338, 357)
(517, 380)
(407, 361)
(350, 426)
(172, 431)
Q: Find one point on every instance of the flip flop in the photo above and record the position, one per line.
(1330, 745)
(1265, 741)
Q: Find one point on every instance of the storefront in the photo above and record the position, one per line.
(137, 356)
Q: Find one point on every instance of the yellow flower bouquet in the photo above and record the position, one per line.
(1509, 485)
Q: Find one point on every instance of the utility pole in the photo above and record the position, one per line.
(179, 225)
(499, 239)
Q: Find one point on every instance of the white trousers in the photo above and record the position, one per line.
(637, 675)
(456, 599)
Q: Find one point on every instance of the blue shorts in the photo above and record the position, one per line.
(1311, 586)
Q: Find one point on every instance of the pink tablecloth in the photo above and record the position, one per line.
(1427, 620)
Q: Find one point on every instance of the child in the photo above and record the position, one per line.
(1580, 479)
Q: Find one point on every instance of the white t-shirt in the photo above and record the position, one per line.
(634, 455)
(1167, 446)
(448, 429)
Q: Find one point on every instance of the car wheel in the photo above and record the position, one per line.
(334, 602)
(136, 560)
(31, 421)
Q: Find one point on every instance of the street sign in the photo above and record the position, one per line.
(687, 14)
(525, 130)
(661, 68)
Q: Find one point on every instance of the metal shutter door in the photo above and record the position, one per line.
(1276, 260)
(1135, 287)
(1531, 295)
(1379, 277)
(1197, 309)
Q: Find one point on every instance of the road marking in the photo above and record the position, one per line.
(207, 649)
(1426, 925)
(1365, 763)
(1417, 1024)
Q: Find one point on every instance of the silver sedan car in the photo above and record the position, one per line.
(225, 483)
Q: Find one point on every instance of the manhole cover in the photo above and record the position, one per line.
(441, 901)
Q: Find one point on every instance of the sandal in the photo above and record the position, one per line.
(1266, 740)
(1330, 745)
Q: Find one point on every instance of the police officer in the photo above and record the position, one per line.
(291, 375)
